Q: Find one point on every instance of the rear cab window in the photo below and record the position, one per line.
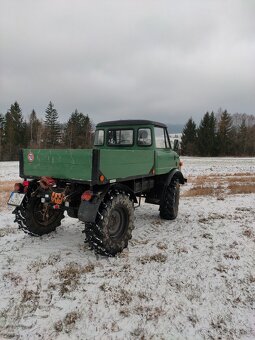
(120, 137)
(99, 138)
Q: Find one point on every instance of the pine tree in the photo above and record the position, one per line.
(206, 136)
(189, 138)
(242, 138)
(225, 133)
(78, 131)
(34, 128)
(250, 140)
(52, 127)
(14, 132)
(2, 121)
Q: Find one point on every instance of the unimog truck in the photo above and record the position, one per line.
(130, 159)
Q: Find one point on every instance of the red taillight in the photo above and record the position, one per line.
(87, 195)
(25, 183)
(25, 186)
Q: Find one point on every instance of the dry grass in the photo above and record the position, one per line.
(199, 191)
(68, 322)
(241, 189)
(71, 318)
(248, 232)
(215, 185)
(232, 256)
(242, 174)
(12, 277)
(70, 276)
(5, 189)
(247, 179)
(149, 313)
(153, 258)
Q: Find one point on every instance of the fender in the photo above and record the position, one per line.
(175, 173)
(125, 188)
(88, 209)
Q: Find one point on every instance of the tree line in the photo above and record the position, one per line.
(221, 134)
(16, 132)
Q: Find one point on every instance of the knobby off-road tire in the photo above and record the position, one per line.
(31, 217)
(112, 230)
(169, 207)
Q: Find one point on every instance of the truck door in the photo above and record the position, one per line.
(166, 158)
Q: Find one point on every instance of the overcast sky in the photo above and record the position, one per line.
(161, 60)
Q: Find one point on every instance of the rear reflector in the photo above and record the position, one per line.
(87, 195)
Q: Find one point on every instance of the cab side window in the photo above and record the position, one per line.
(160, 138)
(144, 137)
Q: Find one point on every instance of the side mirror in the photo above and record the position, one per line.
(176, 145)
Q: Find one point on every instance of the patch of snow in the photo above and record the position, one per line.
(189, 278)
(9, 171)
(197, 166)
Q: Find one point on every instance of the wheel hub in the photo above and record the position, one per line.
(117, 223)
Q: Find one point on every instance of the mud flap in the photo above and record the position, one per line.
(88, 211)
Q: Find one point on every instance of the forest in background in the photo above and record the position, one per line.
(17, 133)
(221, 134)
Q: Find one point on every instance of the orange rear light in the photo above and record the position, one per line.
(101, 178)
(87, 195)
(181, 163)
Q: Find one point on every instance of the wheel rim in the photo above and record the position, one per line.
(43, 214)
(118, 222)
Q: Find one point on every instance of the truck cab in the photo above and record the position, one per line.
(141, 147)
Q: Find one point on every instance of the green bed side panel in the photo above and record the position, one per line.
(120, 164)
(58, 163)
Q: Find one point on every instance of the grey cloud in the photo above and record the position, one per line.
(163, 60)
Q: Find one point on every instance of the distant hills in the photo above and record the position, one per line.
(175, 128)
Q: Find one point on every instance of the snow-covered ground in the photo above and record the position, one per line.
(196, 166)
(9, 171)
(192, 278)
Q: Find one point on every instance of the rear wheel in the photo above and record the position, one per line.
(114, 224)
(169, 206)
(36, 218)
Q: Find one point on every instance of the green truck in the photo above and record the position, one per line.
(130, 159)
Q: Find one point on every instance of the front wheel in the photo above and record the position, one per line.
(169, 206)
(112, 230)
(36, 218)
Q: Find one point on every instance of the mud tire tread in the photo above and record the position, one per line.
(97, 233)
(170, 205)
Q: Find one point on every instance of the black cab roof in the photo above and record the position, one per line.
(130, 122)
